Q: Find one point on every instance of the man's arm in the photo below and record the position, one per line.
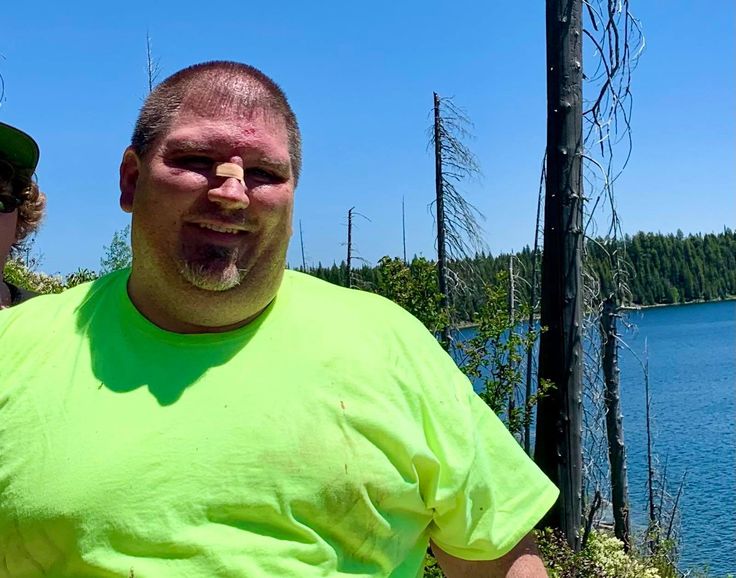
(521, 562)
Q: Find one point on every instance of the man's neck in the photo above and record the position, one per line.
(193, 310)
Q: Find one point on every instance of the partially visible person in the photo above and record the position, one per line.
(21, 202)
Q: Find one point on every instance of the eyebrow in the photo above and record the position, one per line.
(193, 146)
(186, 145)
(271, 164)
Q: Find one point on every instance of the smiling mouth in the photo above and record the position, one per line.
(220, 228)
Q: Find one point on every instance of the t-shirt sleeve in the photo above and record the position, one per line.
(495, 494)
(484, 493)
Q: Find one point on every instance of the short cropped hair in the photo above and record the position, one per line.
(215, 85)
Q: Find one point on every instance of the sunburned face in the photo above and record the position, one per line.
(8, 224)
(214, 232)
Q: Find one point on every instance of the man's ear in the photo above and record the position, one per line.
(129, 174)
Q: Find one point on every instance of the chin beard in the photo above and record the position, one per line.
(216, 270)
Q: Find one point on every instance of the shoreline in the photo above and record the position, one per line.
(633, 308)
(694, 302)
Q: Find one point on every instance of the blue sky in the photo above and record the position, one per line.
(360, 77)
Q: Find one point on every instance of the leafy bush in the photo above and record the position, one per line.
(431, 567)
(494, 356)
(608, 551)
(562, 561)
(17, 273)
(118, 254)
(602, 557)
(414, 287)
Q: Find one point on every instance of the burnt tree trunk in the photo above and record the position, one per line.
(653, 529)
(440, 205)
(350, 248)
(512, 322)
(614, 424)
(530, 328)
(403, 227)
(558, 449)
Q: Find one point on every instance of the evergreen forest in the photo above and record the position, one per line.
(659, 269)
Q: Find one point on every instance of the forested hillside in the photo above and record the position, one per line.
(660, 269)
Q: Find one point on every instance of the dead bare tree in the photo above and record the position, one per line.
(350, 248)
(652, 529)
(512, 322)
(153, 68)
(533, 308)
(662, 508)
(614, 426)
(403, 227)
(350, 255)
(301, 241)
(614, 38)
(458, 230)
(558, 448)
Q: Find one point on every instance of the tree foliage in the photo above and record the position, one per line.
(665, 268)
(673, 268)
(118, 254)
(602, 557)
(23, 275)
(414, 287)
(493, 357)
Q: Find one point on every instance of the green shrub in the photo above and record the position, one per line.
(17, 273)
(602, 557)
(608, 552)
(562, 561)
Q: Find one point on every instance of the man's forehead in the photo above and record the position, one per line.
(232, 96)
(228, 112)
(215, 126)
(260, 133)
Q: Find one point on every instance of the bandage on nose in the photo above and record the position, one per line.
(230, 170)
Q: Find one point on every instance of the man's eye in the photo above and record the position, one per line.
(262, 176)
(194, 162)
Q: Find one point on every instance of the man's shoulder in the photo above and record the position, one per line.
(365, 334)
(354, 322)
(325, 299)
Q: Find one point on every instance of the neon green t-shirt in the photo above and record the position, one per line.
(330, 437)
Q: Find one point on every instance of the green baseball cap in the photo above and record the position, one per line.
(18, 148)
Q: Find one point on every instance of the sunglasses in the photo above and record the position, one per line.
(9, 202)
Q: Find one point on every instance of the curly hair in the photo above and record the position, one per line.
(30, 212)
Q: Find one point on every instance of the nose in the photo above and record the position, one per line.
(231, 192)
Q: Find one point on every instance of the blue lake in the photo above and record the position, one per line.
(692, 380)
(692, 375)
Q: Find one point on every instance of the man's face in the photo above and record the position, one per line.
(8, 221)
(8, 224)
(212, 231)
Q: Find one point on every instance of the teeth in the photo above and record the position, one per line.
(218, 228)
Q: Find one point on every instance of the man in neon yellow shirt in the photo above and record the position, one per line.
(208, 414)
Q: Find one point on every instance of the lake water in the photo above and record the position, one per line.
(692, 379)
(692, 375)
